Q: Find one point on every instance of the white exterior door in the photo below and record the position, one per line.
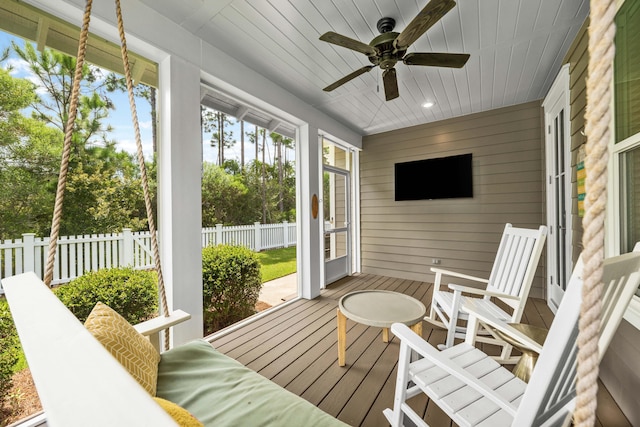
(558, 177)
(337, 226)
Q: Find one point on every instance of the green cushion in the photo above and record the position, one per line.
(220, 391)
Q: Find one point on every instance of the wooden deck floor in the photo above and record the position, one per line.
(296, 347)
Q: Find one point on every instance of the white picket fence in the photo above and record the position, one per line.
(76, 255)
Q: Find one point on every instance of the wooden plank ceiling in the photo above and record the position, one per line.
(516, 48)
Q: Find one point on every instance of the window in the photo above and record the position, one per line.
(627, 121)
(626, 147)
(627, 71)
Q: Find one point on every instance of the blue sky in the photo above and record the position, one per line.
(121, 121)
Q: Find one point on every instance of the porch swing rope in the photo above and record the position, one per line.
(598, 119)
(66, 148)
(64, 166)
(143, 170)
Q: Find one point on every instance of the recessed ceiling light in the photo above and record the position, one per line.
(427, 104)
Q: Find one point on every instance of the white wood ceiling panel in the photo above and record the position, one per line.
(488, 15)
(276, 43)
(568, 11)
(452, 29)
(487, 66)
(469, 12)
(369, 14)
(506, 29)
(527, 17)
(464, 93)
(178, 11)
(223, 25)
(500, 74)
(472, 68)
(429, 80)
(350, 22)
(451, 90)
(516, 68)
(549, 13)
(531, 64)
(557, 42)
(516, 49)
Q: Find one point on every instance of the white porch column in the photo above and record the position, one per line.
(310, 250)
(179, 198)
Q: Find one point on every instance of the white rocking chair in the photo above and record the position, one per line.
(510, 281)
(474, 390)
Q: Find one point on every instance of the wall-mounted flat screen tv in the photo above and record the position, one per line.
(439, 178)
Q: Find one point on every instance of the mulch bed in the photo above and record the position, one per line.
(25, 400)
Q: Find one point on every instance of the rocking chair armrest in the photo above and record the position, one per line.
(416, 343)
(492, 323)
(476, 291)
(443, 272)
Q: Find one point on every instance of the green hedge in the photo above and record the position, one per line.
(132, 293)
(9, 349)
(231, 285)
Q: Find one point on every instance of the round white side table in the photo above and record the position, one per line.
(380, 309)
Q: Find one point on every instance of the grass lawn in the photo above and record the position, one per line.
(277, 263)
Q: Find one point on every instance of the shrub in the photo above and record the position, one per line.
(132, 293)
(9, 349)
(231, 285)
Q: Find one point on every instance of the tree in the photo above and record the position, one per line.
(216, 122)
(242, 144)
(254, 138)
(280, 142)
(103, 191)
(29, 159)
(224, 198)
(105, 200)
(54, 72)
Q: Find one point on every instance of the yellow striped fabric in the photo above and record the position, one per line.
(128, 346)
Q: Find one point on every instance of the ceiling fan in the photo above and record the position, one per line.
(390, 47)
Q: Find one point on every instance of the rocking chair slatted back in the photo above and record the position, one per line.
(510, 275)
(556, 370)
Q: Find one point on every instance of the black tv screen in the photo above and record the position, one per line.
(439, 178)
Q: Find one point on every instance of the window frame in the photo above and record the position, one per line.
(613, 238)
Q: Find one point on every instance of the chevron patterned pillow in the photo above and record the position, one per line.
(183, 417)
(128, 346)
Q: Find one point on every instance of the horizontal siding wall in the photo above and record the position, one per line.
(578, 60)
(400, 239)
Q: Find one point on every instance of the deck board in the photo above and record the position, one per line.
(295, 346)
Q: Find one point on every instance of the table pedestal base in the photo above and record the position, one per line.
(342, 336)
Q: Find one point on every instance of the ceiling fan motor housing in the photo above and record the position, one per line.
(387, 55)
(385, 25)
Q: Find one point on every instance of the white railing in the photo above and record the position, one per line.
(77, 255)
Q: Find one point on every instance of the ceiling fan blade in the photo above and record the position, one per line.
(390, 84)
(451, 60)
(429, 15)
(344, 41)
(348, 77)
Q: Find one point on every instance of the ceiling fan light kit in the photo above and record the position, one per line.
(386, 49)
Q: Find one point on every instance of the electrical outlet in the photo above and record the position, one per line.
(436, 261)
